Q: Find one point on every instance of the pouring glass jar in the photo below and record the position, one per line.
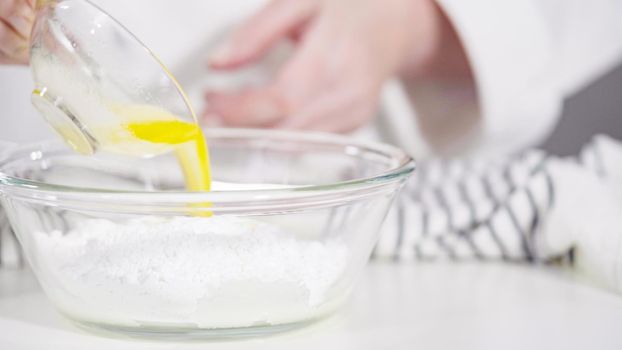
(100, 88)
(92, 75)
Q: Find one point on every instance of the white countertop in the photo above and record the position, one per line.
(396, 306)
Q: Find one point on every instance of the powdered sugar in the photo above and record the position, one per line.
(213, 272)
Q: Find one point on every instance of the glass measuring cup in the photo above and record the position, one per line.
(92, 76)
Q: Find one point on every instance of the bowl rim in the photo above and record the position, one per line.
(324, 193)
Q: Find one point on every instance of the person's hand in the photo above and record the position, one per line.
(16, 17)
(345, 51)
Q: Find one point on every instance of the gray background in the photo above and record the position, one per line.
(597, 109)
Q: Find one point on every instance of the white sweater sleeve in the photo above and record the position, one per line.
(527, 56)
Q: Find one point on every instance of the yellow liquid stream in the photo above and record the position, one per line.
(189, 146)
(156, 128)
(144, 131)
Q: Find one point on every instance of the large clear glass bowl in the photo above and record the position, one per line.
(118, 245)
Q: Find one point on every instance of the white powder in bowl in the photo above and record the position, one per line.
(202, 272)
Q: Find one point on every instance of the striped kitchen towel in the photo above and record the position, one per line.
(528, 207)
(470, 209)
(10, 252)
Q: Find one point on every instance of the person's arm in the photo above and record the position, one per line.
(526, 57)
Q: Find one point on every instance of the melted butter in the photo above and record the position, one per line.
(189, 145)
(146, 131)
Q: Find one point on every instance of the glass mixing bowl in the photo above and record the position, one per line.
(118, 245)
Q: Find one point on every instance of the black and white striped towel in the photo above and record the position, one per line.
(528, 207)
(471, 210)
(10, 252)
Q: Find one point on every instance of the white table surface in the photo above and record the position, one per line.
(396, 306)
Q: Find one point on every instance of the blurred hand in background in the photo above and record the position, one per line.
(16, 18)
(344, 51)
